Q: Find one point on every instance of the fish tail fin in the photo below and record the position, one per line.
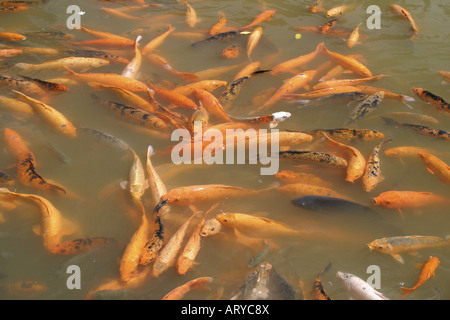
(72, 73)
(55, 188)
(189, 76)
(406, 291)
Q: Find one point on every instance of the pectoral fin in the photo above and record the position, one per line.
(398, 257)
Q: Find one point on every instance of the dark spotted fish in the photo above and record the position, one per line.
(49, 86)
(133, 114)
(333, 204)
(423, 130)
(431, 98)
(317, 289)
(218, 37)
(97, 54)
(372, 175)
(25, 86)
(154, 245)
(73, 247)
(366, 106)
(321, 158)
(6, 178)
(349, 135)
(234, 88)
(107, 138)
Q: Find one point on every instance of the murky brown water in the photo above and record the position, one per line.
(95, 169)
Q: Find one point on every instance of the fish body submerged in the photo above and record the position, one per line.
(436, 166)
(399, 244)
(358, 289)
(326, 203)
(426, 272)
(366, 106)
(264, 283)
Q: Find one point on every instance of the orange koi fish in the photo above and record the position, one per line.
(431, 98)
(102, 34)
(10, 36)
(345, 82)
(354, 37)
(247, 70)
(20, 288)
(164, 64)
(318, 290)
(208, 85)
(178, 99)
(219, 25)
(156, 184)
(265, 16)
(157, 41)
(409, 199)
(338, 11)
(132, 69)
(120, 14)
(292, 64)
(231, 52)
(347, 62)
(436, 166)
(191, 15)
(80, 63)
(356, 161)
(321, 93)
(23, 85)
(328, 26)
(109, 43)
(253, 40)
(387, 94)
(8, 53)
(406, 151)
(405, 13)
(52, 116)
(205, 193)
(211, 104)
(427, 271)
(290, 85)
(179, 292)
(302, 189)
(291, 177)
(151, 249)
(111, 79)
(445, 75)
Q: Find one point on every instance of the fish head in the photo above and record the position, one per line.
(210, 227)
(226, 219)
(380, 245)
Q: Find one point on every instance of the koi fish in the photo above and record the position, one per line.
(157, 41)
(234, 88)
(6, 178)
(135, 115)
(345, 82)
(130, 259)
(349, 135)
(107, 43)
(354, 36)
(75, 63)
(231, 52)
(210, 227)
(253, 40)
(132, 69)
(178, 99)
(191, 15)
(52, 116)
(218, 37)
(436, 166)
(8, 53)
(256, 227)
(358, 288)
(51, 219)
(204, 193)
(256, 260)
(151, 249)
(120, 14)
(320, 158)
(328, 26)
(303, 189)
(168, 253)
(15, 105)
(290, 177)
(431, 98)
(211, 104)
(316, 7)
(406, 151)
(318, 291)
(73, 247)
(372, 175)
(315, 94)
(273, 119)
(23, 85)
(290, 85)
(108, 139)
(411, 244)
(163, 63)
(208, 85)
(330, 203)
(23, 287)
(356, 161)
(10, 36)
(427, 271)
(423, 130)
(102, 34)
(409, 199)
(292, 64)
(387, 94)
(445, 75)
(411, 116)
(336, 98)
(405, 13)
(216, 28)
(98, 54)
(347, 62)
(111, 79)
(47, 85)
(186, 259)
(179, 292)
(265, 16)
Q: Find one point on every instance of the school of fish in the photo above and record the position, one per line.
(130, 80)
